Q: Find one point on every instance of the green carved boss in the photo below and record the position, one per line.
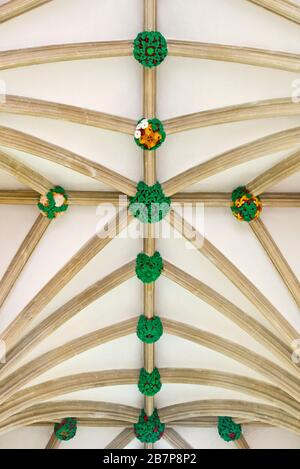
(66, 429)
(149, 429)
(245, 206)
(54, 203)
(150, 330)
(149, 205)
(149, 383)
(150, 48)
(149, 268)
(149, 134)
(228, 429)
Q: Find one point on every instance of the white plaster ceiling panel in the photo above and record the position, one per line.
(115, 86)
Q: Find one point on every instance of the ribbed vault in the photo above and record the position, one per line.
(44, 333)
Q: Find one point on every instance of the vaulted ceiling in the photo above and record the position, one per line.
(254, 270)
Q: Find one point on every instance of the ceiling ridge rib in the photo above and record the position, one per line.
(264, 237)
(83, 256)
(209, 199)
(241, 443)
(273, 175)
(82, 198)
(14, 8)
(14, 381)
(38, 366)
(203, 377)
(229, 310)
(215, 407)
(50, 410)
(175, 439)
(270, 108)
(288, 382)
(22, 256)
(232, 53)
(264, 146)
(280, 171)
(211, 407)
(91, 422)
(264, 109)
(53, 443)
(65, 313)
(122, 439)
(91, 198)
(64, 52)
(284, 8)
(24, 174)
(21, 105)
(283, 328)
(14, 139)
(198, 50)
(21, 141)
(203, 422)
(37, 182)
(150, 178)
